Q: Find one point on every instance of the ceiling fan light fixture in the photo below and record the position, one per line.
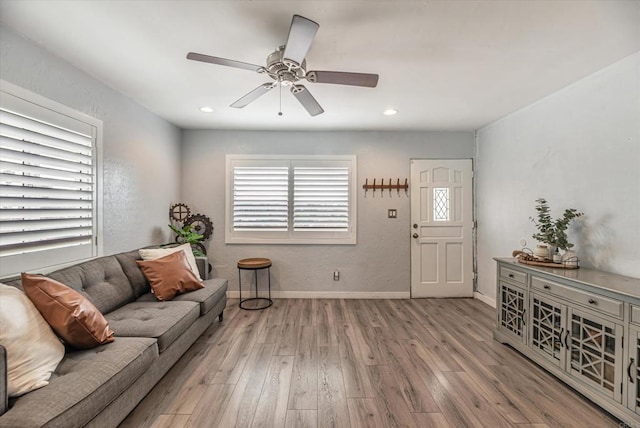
(390, 112)
(287, 66)
(206, 109)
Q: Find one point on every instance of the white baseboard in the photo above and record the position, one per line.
(484, 299)
(234, 294)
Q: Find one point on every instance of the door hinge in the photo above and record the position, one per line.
(96, 240)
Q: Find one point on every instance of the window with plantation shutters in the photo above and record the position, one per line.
(291, 199)
(47, 186)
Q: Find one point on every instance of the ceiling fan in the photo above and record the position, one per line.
(287, 65)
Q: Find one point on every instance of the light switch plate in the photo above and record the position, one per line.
(392, 213)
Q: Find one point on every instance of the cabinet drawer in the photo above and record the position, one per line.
(635, 315)
(513, 275)
(590, 300)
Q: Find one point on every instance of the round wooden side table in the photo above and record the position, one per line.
(255, 264)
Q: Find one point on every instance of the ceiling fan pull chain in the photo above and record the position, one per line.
(280, 112)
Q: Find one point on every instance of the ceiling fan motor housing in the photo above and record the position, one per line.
(286, 74)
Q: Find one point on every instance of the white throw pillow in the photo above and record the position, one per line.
(33, 349)
(156, 253)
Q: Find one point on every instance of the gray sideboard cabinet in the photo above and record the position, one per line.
(581, 325)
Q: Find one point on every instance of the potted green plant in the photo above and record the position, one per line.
(185, 235)
(551, 232)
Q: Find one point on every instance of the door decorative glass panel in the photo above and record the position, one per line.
(441, 204)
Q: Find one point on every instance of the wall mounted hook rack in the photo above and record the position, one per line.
(390, 186)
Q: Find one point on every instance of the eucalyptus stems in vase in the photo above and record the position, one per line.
(553, 232)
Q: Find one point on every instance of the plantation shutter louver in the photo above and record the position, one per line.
(47, 187)
(260, 198)
(321, 199)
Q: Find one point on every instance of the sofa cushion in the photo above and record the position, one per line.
(101, 279)
(170, 275)
(34, 350)
(164, 321)
(130, 268)
(73, 317)
(84, 384)
(156, 253)
(214, 290)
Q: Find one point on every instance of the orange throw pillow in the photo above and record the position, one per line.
(71, 315)
(170, 275)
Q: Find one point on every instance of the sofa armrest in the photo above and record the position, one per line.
(4, 395)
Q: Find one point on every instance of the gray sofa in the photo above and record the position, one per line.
(99, 387)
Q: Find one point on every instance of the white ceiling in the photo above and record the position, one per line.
(446, 65)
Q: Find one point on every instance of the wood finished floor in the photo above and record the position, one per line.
(360, 363)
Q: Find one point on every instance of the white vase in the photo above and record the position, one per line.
(541, 252)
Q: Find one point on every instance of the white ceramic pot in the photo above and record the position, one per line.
(541, 252)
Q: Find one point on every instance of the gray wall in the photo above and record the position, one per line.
(378, 263)
(141, 152)
(578, 148)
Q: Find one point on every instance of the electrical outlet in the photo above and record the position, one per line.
(392, 213)
(336, 275)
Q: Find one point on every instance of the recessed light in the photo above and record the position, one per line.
(206, 109)
(390, 112)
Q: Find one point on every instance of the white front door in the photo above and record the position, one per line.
(441, 228)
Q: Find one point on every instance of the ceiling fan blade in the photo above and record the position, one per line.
(253, 95)
(307, 100)
(343, 78)
(301, 34)
(223, 61)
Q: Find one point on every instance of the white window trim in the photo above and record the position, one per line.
(290, 237)
(39, 265)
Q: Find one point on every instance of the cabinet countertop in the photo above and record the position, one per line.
(624, 285)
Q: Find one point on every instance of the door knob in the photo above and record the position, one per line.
(415, 226)
(415, 235)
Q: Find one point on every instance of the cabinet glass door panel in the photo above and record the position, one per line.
(633, 371)
(547, 328)
(595, 346)
(512, 310)
(637, 372)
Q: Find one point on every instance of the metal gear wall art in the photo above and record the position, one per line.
(180, 215)
(179, 212)
(201, 224)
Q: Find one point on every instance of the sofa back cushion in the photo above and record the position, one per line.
(102, 280)
(138, 281)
